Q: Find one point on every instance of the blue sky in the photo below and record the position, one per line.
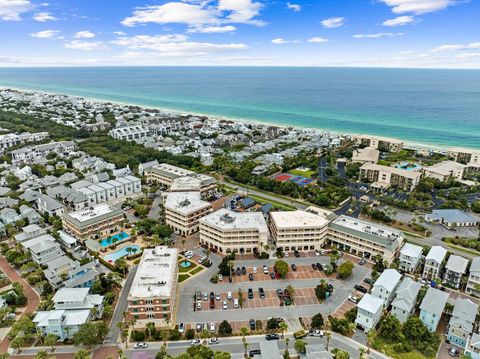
(374, 33)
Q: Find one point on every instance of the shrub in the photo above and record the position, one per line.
(138, 336)
(190, 334)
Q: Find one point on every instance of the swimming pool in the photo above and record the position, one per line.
(112, 257)
(110, 240)
(409, 166)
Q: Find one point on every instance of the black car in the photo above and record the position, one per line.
(314, 266)
(262, 293)
(244, 270)
(361, 288)
(369, 281)
(294, 267)
(296, 254)
(272, 275)
(254, 352)
(253, 326)
(250, 276)
(212, 296)
(330, 288)
(319, 266)
(272, 336)
(250, 293)
(238, 271)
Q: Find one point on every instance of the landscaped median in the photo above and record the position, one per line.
(187, 269)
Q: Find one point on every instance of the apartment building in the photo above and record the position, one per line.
(43, 249)
(12, 139)
(129, 133)
(434, 263)
(183, 211)
(410, 257)
(473, 283)
(384, 144)
(153, 293)
(464, 155)
(111, 190)
(39, 152)
(406, 299)
(383, 177)
(455, 269)
(462, 322)
(386, 286)
(300, 230)
(431, 308)
(369, 312)
(234, 232)
(446, 170)
(365, 239)
(165, 174)
(93, 222)
(365, 155)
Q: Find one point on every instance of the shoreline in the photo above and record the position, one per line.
(408, 144)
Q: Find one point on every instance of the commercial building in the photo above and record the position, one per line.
(434, 262)
(384, 144)
(452, 218)
(410, 257)
(473, 283)
(383, 177)
(446, 170)
(300, 230)
(455, 269)
(369, 312)
(365, 155)
(153, 293)
(462, 322)
(183, 211)
(165, 174)
(234, 232)
(432, 307)
(365, 239)
(404, 303)
(93, 222)
(386, 286)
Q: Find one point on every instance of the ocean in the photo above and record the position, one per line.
(437, 107)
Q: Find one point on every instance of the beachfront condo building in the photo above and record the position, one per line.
(183, 211)
(446, 170)
(383, 177)
(384, 144)
(300, 230)
(152, 296)
(165, 174)
(365, 155)
(234, 232)
(464, 155)
(93, 222)
(365, 239)
(129, 133)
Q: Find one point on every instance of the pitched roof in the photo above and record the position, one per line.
(407, 294)
(475, 266)
(463, 315)
(457, 264)
(388, 279)
(436, 253)
(434, 301)
(411, 250)
(370, 303)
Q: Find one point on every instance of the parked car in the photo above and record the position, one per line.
(217, 296)
(369, 281)
(453, 352)
(294, 267)
(317, 252)
(319, 266)
(253, 325)
(316, 333)
(199, 305)
(272, 336)
(361, 288)
(280, 292)
(235, 303)
(254, 270)
(296, 254)
(265, 269)
(220, 277)
(250, 293)
(238, 271)
(254, 352)
(229, 295)
(199, 327)
(140, 345)
(250, 276)
(272, 275)
(353, 299)
(205, 296)
(181, 328)
(244, 270)
(314, 266)
(362, 262)
(224, 305)
(262, 293)
(212, 328)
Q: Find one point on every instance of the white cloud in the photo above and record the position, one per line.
(294, 7)
(119, 33)
(375, 36)
(84, 35)
(10, 10)
(44, 17)
(468, 55)
(333, 22)
(148, 41)
(280, 41)
(197, 13)
(85, 45)
(318, 40)
(46, 34)
(455, 47)
(418, 6)
(212, 29)
(399, 21)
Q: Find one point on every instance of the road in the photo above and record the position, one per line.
(155, 209)
(121, 307)
(32, 296)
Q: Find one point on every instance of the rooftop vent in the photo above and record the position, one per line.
(227, 218)
(185, 203)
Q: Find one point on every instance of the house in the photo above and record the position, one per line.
(462, 322)
(404, 303)
(9, 215)
(82, 277)
(455, 268)
(445, 171)
(57, 270)
(247, 202)
(410, 257)
(142, 167)
(29, 232)
(386, 285)
(365, 155)
(473, 283)
(452, 218)
(369, 312)
(79, 298)
(30, 215)
(50, 206)
(472, 349)
(8, 202)
(432, 307)
(45, 250)
(434, 262)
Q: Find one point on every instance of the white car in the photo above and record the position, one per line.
(317, 252)
(265, 269)
(140, 345)
(199, 305)
(254, 270)
(353, 299)
(229, 295)
(220, 278)
(225, 306)
(212, 328)
(217, 296)
(181, 328)
(195, 342)
(235, 303)
(213, 341)
(316, 333)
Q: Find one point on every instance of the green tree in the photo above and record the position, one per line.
(390, 329)
(190, 333)
(283, 326)
(150, 326)
(225, 328)
(317, 321)
(321, 290)
(300, 346)
(162, 354)
(340, 354)
(244, 332)
(41, 354)
(281, 267)
(345, 269)
(18, 341)
(90, 333)
(50, 340)
(81, 354)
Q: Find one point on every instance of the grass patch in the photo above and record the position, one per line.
(196, 270)
(392, 352)
(274, 203)
(182, 277)
(448, 242)
(307, 174)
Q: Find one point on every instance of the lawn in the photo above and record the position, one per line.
(278, 205)
(390, 351)
(196, 270)
(298, 172)
(182, 277)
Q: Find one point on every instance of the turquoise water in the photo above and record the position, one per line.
(427, 106)
(119, 237)
(409, 166)
(112, 257)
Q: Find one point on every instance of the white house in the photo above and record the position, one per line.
(369, 312)
(455, 269)
(434, 262)
(386, 286)
(404, 303)
(410, 257)
(474, 277)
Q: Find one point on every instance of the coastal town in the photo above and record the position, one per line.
(132, 232)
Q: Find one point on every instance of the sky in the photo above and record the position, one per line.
(362, 33)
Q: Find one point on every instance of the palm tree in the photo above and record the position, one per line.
(244, 331)
(230, 264)
(183, 245)
(287, 341)
(207, 253)
(328, 335)
(204, 335)
(362, 352)
(283, 328)
(129, 250)
(150, 329)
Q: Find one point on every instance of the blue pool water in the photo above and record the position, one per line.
(112, 257)
(119, 236)
(408, 166)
